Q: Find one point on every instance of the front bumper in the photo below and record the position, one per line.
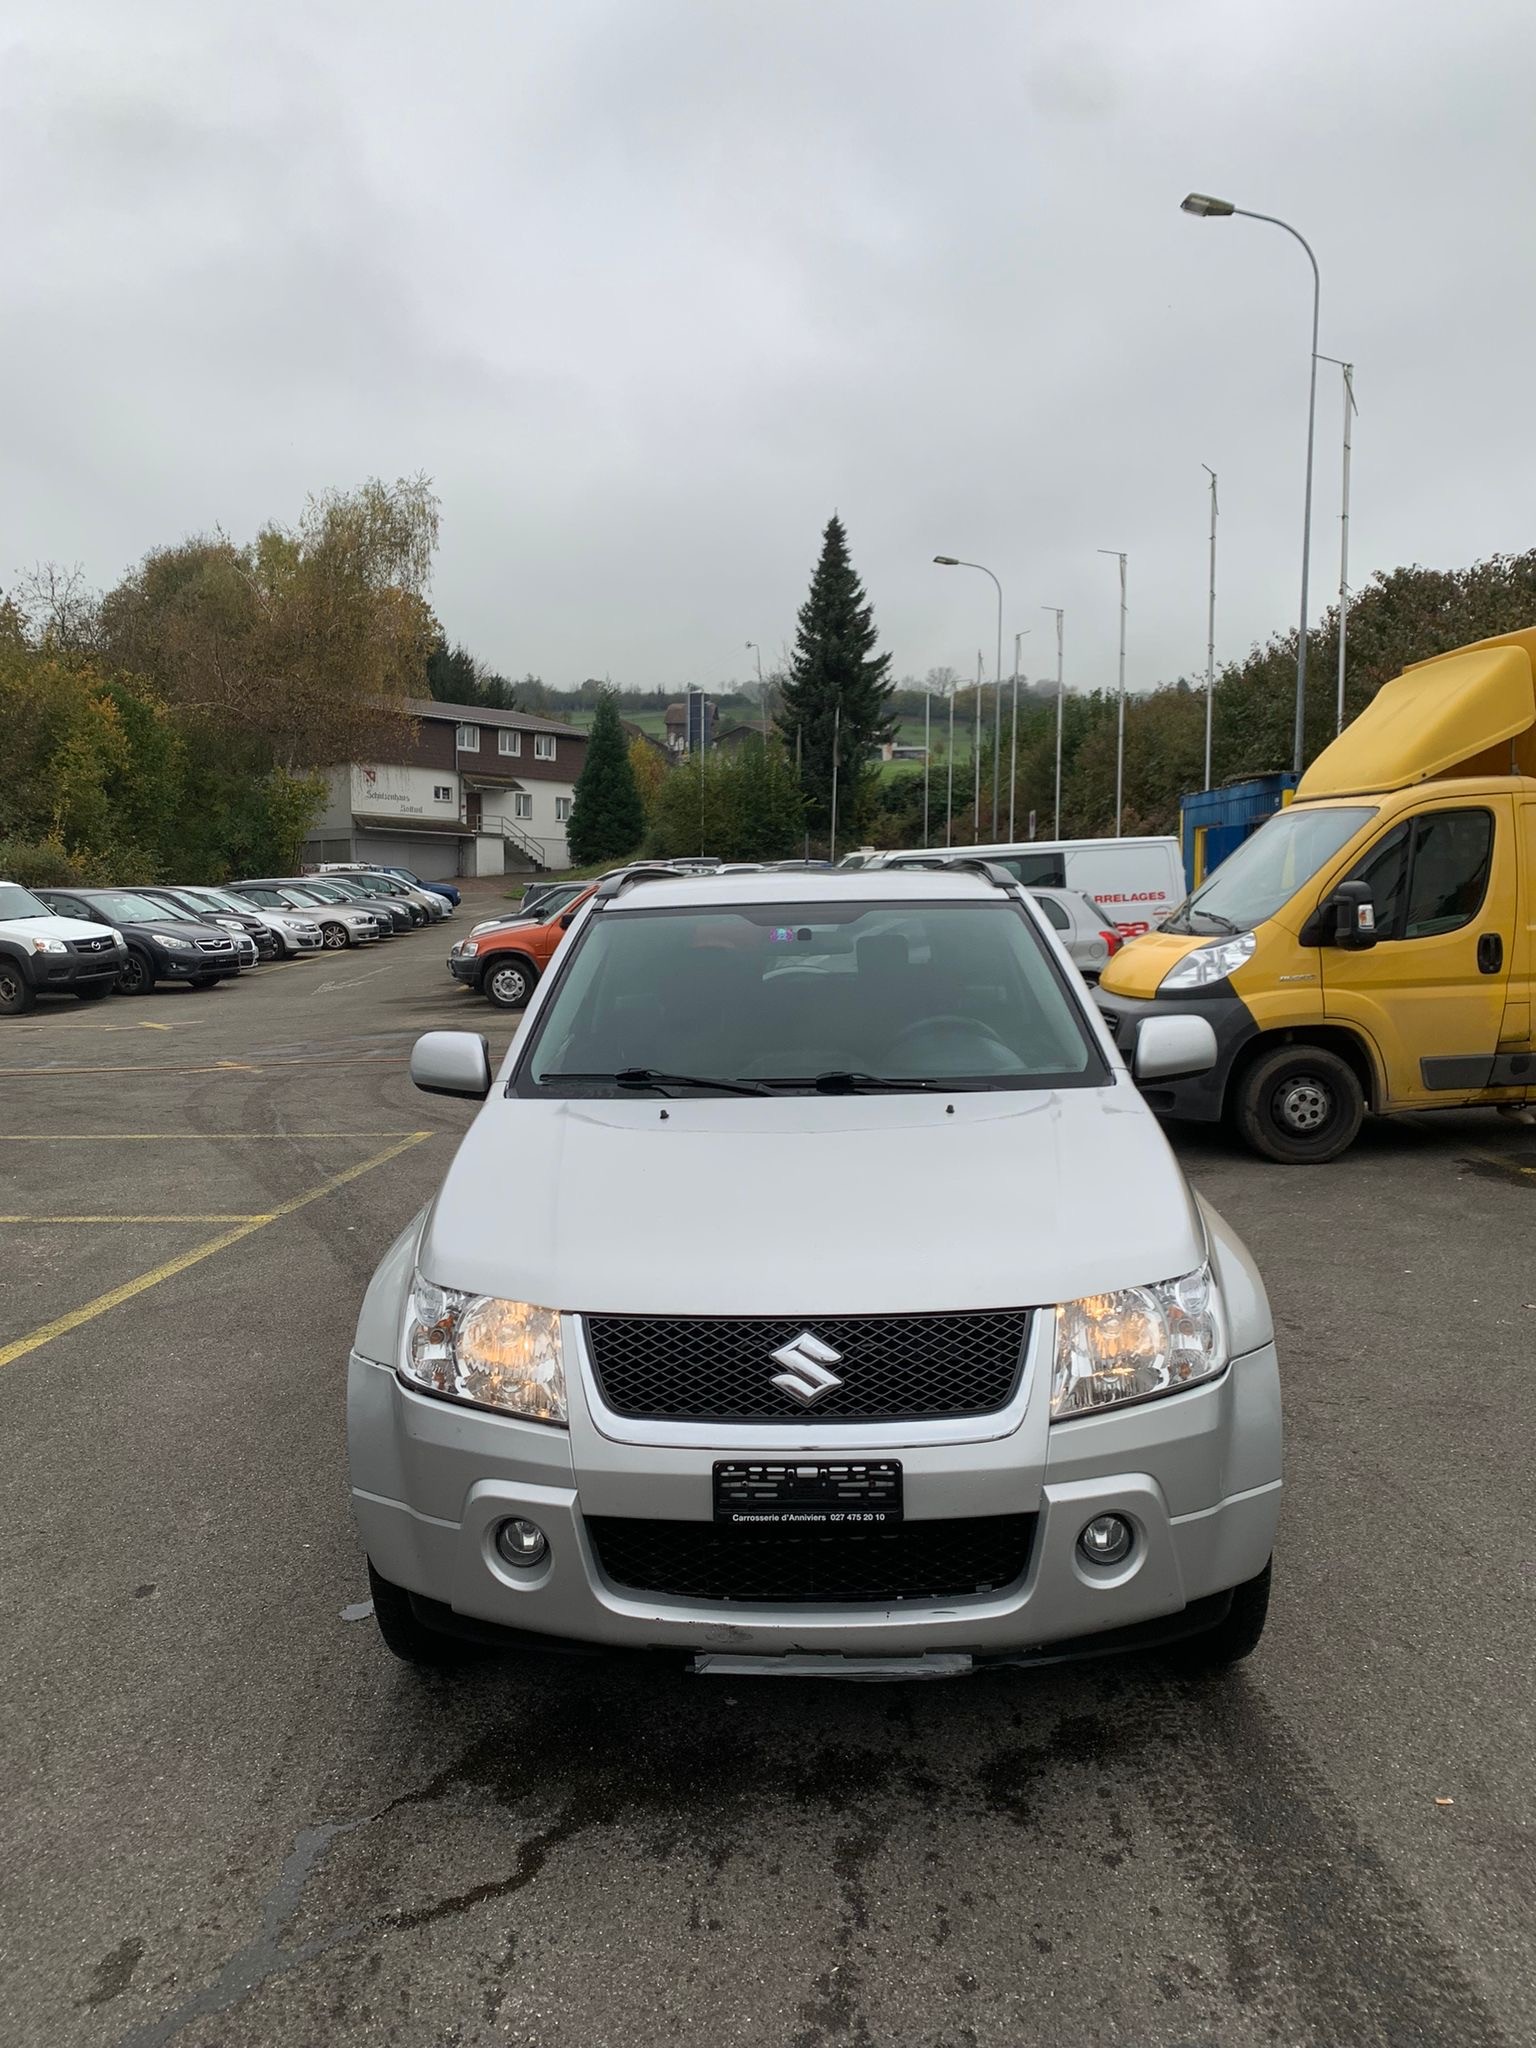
(1198, 1474)
(61, 974)
(1200, 1097)
(466, 970)
(195, 966)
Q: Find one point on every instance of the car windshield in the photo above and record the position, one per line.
(845, 998)
(221, 899)
(133, 908)
(18, 902)
(1267, 870)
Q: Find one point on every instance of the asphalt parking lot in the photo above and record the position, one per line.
(229, 1817)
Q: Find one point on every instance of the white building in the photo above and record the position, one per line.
(476, 793)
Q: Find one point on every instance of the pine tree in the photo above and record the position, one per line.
(837, 685)
(607, 815)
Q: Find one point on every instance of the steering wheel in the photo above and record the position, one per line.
(970, 1025)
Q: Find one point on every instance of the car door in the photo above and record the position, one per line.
(1431, 993)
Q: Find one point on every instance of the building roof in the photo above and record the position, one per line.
(478, 714)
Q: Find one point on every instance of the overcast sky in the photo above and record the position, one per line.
(650, 287)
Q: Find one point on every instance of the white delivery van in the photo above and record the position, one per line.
(1135, 882)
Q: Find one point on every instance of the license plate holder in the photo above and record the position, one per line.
(808, 1493)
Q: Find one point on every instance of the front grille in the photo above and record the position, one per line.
(798, 1566)
(215, 945)
(892, 1368)
(90, 945)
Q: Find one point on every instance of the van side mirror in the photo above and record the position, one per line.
(1354, 917)
(1170, 1047)
(452, 1063)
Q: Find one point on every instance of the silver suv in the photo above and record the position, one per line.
(973, 1377)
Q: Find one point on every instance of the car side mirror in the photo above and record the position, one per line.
(452, 1063)
(568, 920)
(1168, 1048)
(1353, 915)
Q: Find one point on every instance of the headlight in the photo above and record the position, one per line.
(1209, 963)
(49, 946)
(176, 945)
(466, 949)
(475, 1347)
(1136, 1343)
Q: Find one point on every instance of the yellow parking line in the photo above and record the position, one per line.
(117, 1295)
(180, 1137)
(1506, 1165)
(218, 1067)
(232, 1216)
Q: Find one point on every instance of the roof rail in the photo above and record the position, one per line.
(999, 877)
(613, 885)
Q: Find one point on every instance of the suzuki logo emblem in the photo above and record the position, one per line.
(805, 1377)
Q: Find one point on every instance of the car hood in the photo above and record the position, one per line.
(55, 927)
(812, 1205)
(178, 927)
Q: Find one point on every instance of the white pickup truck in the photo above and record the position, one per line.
(43, 954)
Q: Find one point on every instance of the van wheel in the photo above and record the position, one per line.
(508, 983)
(17, 994)
(409, 1638)
(1300, 1105)
(1233, 1638)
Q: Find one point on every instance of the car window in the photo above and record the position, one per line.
(18, 902)
(1451, 855)
(939, 994)
(1055, 913)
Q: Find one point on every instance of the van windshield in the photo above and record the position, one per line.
(1267, 870)
(831, 998)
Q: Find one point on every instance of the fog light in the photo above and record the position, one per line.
(1106, 1540)
(521, 1543)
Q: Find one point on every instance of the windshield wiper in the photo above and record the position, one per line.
(651, 1077)
(846, 1083)
(1222, 924)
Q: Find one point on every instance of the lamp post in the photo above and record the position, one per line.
(1060, 700)
(1350, 409)
(1206, 208)
(954, 562)
(1120, 730)
(1210, 630)
(1013, 742)
(762, 694)
(949, 800)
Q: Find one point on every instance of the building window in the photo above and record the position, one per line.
(543, 746)
(467, 739)
(522, 805)
(442, 792)
(562, 809)
(509, 742)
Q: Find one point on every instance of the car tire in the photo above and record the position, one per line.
(93, 995)
(281, 950)
(1234, 1637)
(1301, 1105)
(17, 994)
(137, 977)
(334, 938)
(509, 983)
(407, 1637)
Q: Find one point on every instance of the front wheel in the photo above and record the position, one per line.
(137, 977)
(508, 983)
(1233, 1638)
(407, 1636)
(1301, 1105)
(334, 937)
(17, 994)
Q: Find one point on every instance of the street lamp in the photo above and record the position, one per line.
(1120, 721)
(1204, 207)
(954, 562)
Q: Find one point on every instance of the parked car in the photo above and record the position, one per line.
(162, 943)
(291, 932)
(446, 890)
(378, 882)
(505, 965)
(45, 953)
(545, 904)
(201, 903)
(392, 916)
(1056, 1431)
(1087, 932)
(340, 924)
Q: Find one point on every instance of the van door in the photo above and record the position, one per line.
(1431, 992)
(1516, 1066)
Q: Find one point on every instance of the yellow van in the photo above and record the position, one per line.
(1373, 946)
